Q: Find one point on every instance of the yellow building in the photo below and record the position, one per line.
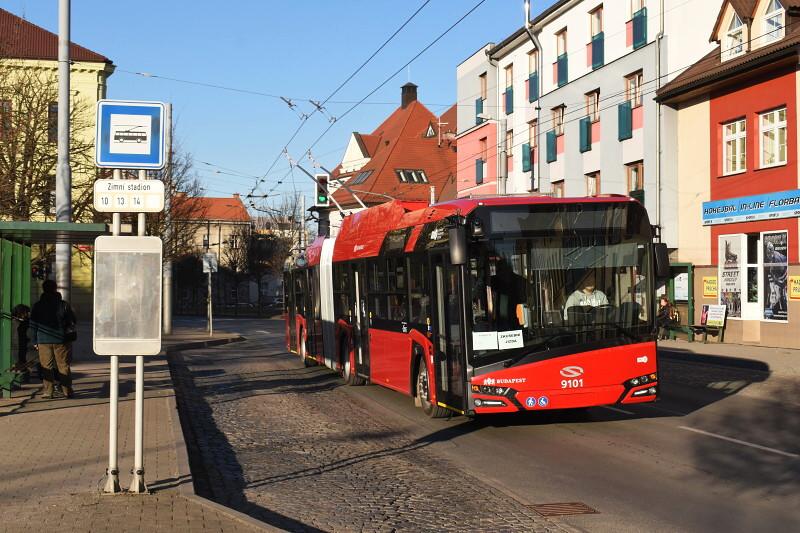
(28, 116)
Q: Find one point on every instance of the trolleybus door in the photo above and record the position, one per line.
(449, 350)
(361, 321)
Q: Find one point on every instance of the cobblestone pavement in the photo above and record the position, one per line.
(283, 444)
(166, 511)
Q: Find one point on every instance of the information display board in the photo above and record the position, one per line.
(128, 196)
(127, 295)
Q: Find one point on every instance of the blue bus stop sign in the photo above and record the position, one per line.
(130, 134)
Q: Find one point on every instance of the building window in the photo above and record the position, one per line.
(50, 196)
(774, 21)
(510, 150)
(633, 88)
(593, 184)
(480, 168)
(773, 137)
(636, 6)
(509, 76)
(558, 189)
(561, 43)
(52, 122)
(5, 118)
(593, 105)
(734, 39)
(635, 172)
(734, 138)
(533, 62)
(509, 92)
(533, 134)
(558, 119)
(361, 177)
(562, 63)
(596, 20)
(411, 176)
(484, 86)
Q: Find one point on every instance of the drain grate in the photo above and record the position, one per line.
(562, 509)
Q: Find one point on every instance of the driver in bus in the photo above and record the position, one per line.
(588, 296)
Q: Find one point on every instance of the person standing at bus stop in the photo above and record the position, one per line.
(52, 323)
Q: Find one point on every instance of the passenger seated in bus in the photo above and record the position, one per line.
(587, 296)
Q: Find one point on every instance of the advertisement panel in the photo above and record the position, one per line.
(776, 271)
(730, 274)
(710, 286)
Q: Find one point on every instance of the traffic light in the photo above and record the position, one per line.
(322, 199)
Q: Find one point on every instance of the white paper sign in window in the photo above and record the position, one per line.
(510, 339)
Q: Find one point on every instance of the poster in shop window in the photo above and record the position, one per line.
(776, 271)
(729, 283)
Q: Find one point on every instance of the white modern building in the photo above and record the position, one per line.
(570, 101)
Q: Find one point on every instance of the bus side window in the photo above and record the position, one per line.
(397, 298)
(377, 286)
(419, 291)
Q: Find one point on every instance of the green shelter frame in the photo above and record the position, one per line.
(16, 239)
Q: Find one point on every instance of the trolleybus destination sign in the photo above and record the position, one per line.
(130, 134)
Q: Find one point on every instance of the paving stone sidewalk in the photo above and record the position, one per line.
(283, 444)
(53, 456)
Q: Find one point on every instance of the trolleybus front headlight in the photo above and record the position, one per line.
(641, 380)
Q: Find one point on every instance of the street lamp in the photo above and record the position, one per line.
(502, 172)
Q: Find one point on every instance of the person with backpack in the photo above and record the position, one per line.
(52, 325)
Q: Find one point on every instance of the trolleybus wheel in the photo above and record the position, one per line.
(433, 411)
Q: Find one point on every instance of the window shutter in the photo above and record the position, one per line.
(478, 171)
(526, 157)
(533, 87)
(640, 28)
(563, 71)
(586, 134)
(638, 195)
(509, 100)
(552, 154)
(478, 110)
(598, 50)
(625, 120)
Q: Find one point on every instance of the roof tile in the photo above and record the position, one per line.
(20, 39)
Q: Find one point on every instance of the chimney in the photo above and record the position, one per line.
(236, 195)
(408, 94)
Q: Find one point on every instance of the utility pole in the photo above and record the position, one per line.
(167, 274)
(502, 175)
(302, 223)
(63, 173)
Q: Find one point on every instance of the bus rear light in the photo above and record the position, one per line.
(646, 392)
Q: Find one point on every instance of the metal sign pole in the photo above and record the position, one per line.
(210, 305)
(137, 483)
(112, 474)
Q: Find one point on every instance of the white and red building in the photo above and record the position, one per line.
(737, 150)
(576, 111)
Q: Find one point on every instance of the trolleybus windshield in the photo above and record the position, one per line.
(546, 277)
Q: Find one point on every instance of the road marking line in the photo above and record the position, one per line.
(670, 411)
(618, 410)
(264, 332)
(743, 443)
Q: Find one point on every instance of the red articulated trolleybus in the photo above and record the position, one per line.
(485, 306)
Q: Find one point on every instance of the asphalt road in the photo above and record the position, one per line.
(705, 458)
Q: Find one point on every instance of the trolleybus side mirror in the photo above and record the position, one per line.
(662, 259)
(458, 245)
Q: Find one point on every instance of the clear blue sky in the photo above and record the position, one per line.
(289, 48)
